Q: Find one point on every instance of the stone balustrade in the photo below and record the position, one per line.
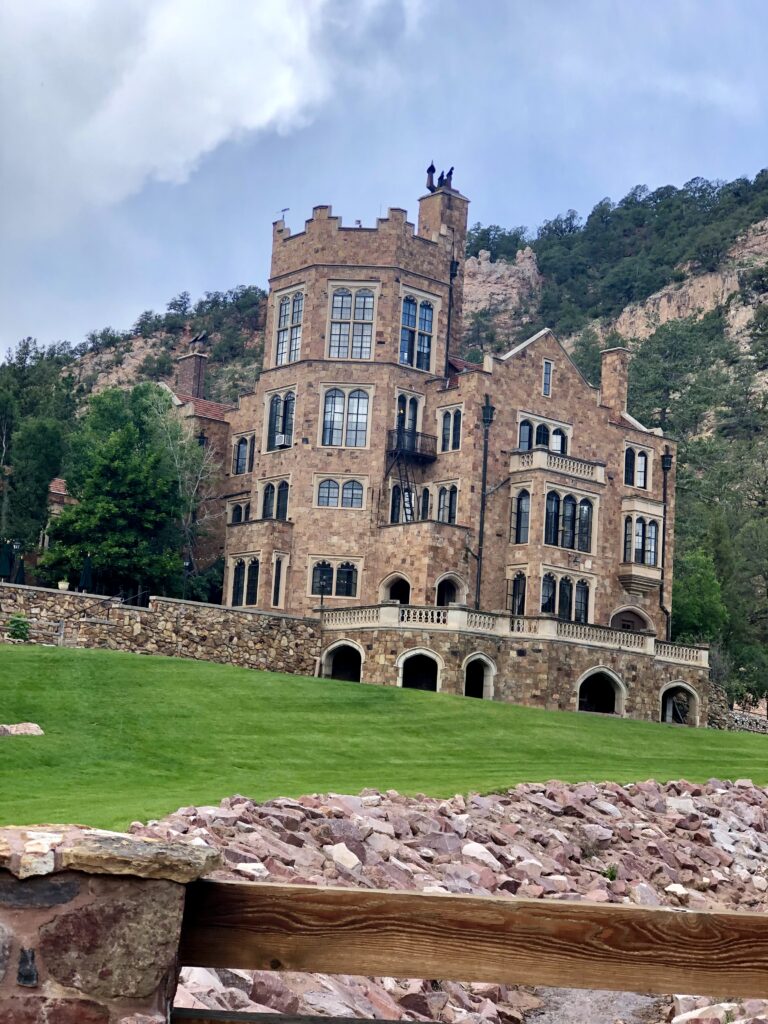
(542, 458)
(462, 619)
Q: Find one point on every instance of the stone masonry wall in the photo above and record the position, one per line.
(249, 639)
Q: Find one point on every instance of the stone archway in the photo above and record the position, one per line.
(631, 620)
(419, 669)
(450, 589)
(600, 691)
(479, 673)
(395, 588)
(679, 705)
(343, 660)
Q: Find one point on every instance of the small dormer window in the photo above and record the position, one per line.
(546, 386)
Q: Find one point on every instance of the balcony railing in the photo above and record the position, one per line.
(412, 443)
(458, 618)
(542, 458)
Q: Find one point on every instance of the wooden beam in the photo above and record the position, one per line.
(468, 938)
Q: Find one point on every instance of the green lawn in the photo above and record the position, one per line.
(131, 737)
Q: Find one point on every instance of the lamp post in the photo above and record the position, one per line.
(666, 466)
(488, 412)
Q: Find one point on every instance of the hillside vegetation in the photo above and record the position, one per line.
(129, 736)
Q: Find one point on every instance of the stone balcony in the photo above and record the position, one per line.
(553, 462)
(637, 578)
(458, 618)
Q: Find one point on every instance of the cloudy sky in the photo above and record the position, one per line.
(147, 145)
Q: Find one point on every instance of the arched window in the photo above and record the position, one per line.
(238, 582)
(268, 504)
(297, 311)
(275, 421)
(413, 414)
(628, 539)
(456, 433)
(568, 532)
(651, 542)
(246, 511)
(639, 540)
(565, 598)
(542, 436)
(237, 514)
(289, 405)
(333, 417)
(445, 437)
(559, 441)
(394, 513)
(581, 609)
(346, 580)
(402, 405)
(251, 453)
(584, 542)
(364, 304)
(548, 591)
(283, 325)
(328, 494)
(453, 499)
(352, 494)
(425, 503)
(424, 347)
(522, 517)
(629, 467)
(408, 331)
(517, 595)
(526, 436)
(289, 316)
(357, 419)
(240, 460)
(322, 578)
(281, 512)
(442, 505)
(641, 475)
(252, 587)
(552, 521)
(409, 506)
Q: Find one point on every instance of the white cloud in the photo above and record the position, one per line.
(99, 98)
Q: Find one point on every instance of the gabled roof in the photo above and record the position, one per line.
(462, 364)
(202, 406)
(543, 333)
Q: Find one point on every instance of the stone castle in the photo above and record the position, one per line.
(501, 530)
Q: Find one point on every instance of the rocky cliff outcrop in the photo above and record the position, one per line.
(505, 295)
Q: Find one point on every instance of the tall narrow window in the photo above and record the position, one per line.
(585, 525)
(629, 467)
(425, 503)
(268, 503)
(526, 436)
(548, 592)
(456, 433)
(237, 514)
(246, 511)
(352, 494)
(546, 384)
(289, 316)
(568, 532)
(517, 602)
(641, 466)
(281, 512)
(275, 421)
(651, 542)
(328, 494)
(394, 511)
(639, 540)
(283, 327)
(277, 583)
(238, 582)
(322, 578)
(297, 311)
(346, 580)
(522, 517)
(581, 608)
(409, 506)
(628, 539)
(424, 349)
(442, 505)
(341, 320)
(445, 437)
(453, 499)
(408, 331)
(362, 328)
(252, 587)
(333, 417)
(357, 419)
(413, 414)
(251, 453)
(240, 460)
(565, 599)
(542, 436)
(552, 521)
(559, 441)
(289, 406)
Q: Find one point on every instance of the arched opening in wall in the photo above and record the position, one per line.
(446, 593)
(631, 620)
(399, 589)
(344, 662)
(420, 673)
(679, 705)
(601, 693)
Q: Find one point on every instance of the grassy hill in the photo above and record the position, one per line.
(131, 737)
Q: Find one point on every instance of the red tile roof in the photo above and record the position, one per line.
(205, 409)
(58, 485)
(462, 364)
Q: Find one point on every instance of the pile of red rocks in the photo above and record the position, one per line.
(678, 844)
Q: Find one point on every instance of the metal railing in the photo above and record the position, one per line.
(411, 442)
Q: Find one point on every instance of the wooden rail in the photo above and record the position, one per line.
(467, 938)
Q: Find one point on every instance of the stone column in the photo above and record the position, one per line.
(90, 924)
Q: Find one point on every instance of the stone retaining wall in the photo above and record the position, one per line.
(742, 721)
(187, 629)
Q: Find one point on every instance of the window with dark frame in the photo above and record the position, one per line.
(238, 582)
(546, 388)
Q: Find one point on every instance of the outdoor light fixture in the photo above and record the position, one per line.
(666, 460)
(488, 413)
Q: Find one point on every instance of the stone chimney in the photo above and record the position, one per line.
(190, 374)
(614, 377)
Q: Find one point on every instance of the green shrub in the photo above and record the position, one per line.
(18, 627)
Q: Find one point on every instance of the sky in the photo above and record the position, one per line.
(146, 146)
